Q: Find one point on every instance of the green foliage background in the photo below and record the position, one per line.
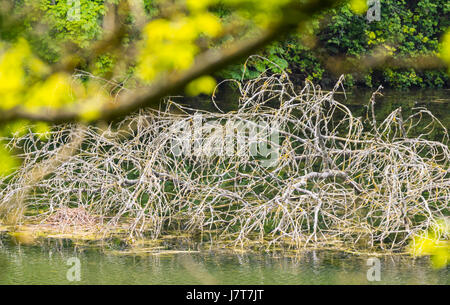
(409, 28)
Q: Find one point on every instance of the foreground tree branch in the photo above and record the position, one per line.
(294, 15)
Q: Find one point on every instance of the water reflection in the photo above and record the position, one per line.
(48, 265)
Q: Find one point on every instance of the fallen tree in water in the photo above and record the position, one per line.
(288, 168)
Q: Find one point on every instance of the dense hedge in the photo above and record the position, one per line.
(406, 29)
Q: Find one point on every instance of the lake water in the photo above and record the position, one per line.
(51, 264)
(21, 264)
(437, 101)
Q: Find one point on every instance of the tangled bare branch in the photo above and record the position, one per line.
(336, 177)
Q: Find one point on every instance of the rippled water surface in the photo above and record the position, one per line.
(50, 265)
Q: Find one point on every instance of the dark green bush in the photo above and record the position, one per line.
(406, 29)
